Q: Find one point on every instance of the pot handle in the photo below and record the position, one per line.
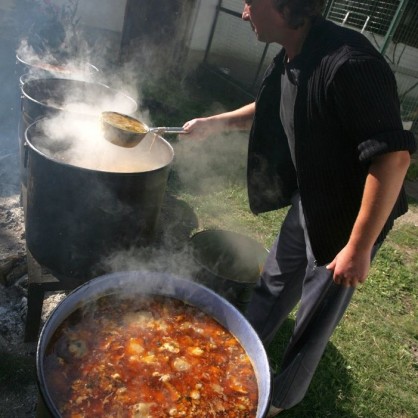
(168, 130)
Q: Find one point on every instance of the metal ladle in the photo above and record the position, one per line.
(126, 131)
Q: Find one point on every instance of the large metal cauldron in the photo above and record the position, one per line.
(50, 96)
(165, 285)
(41, 68)
(44, 96)
(76, 216)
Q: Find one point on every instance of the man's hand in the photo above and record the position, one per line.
(236, 120)
(199, 128)
(350, 267)
(383, 183)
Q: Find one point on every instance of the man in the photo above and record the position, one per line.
(327, 139)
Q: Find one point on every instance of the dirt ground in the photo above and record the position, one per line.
(18, 390)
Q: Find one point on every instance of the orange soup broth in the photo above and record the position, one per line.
(148, 357)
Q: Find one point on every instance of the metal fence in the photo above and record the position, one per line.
(234, 53)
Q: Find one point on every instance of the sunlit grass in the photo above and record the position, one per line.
(370, 367)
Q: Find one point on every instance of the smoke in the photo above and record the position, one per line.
(70, 52)
(79, 140)
(171, 252)
(90, 66)
(180, 262)
(57, 41)
(214, 164)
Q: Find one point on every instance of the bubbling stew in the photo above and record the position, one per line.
(147, 356)
(123, 122)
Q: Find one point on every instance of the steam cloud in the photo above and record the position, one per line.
(78, 140)
(74, 139)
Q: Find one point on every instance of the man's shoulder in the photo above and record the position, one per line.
(340, 40)
(333, 45)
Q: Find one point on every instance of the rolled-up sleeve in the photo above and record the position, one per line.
(367, 105)
(387, 142)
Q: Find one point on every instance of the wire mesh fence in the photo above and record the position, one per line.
(233, 51)
(391, 25)
(373, 16)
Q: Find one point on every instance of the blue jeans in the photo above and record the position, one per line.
(290, 275)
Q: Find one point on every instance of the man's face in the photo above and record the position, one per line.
(264, 18)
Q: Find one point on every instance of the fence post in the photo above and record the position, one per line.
(394, 25)
(212, 31)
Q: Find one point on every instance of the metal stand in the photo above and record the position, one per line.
(41, 280)
(41, 409)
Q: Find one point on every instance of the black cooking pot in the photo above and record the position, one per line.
(141, 282)
(76, 216)
(44, 95)
(35, 67)
(50, 96)
(230, 263)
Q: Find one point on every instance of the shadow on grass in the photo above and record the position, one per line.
(330, 391)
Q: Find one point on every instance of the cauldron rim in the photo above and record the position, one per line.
(29, 143)
(53, 79)
(155, 283)
(27, 63)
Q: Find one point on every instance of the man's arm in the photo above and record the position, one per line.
(239, 119)
(383, 184)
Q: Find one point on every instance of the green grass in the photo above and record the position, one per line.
(370, 367)
(412, 174)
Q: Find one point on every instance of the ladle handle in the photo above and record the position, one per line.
(168, 130)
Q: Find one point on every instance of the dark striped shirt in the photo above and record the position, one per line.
(346, 112)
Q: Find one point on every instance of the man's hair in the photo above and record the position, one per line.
(296, 11)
